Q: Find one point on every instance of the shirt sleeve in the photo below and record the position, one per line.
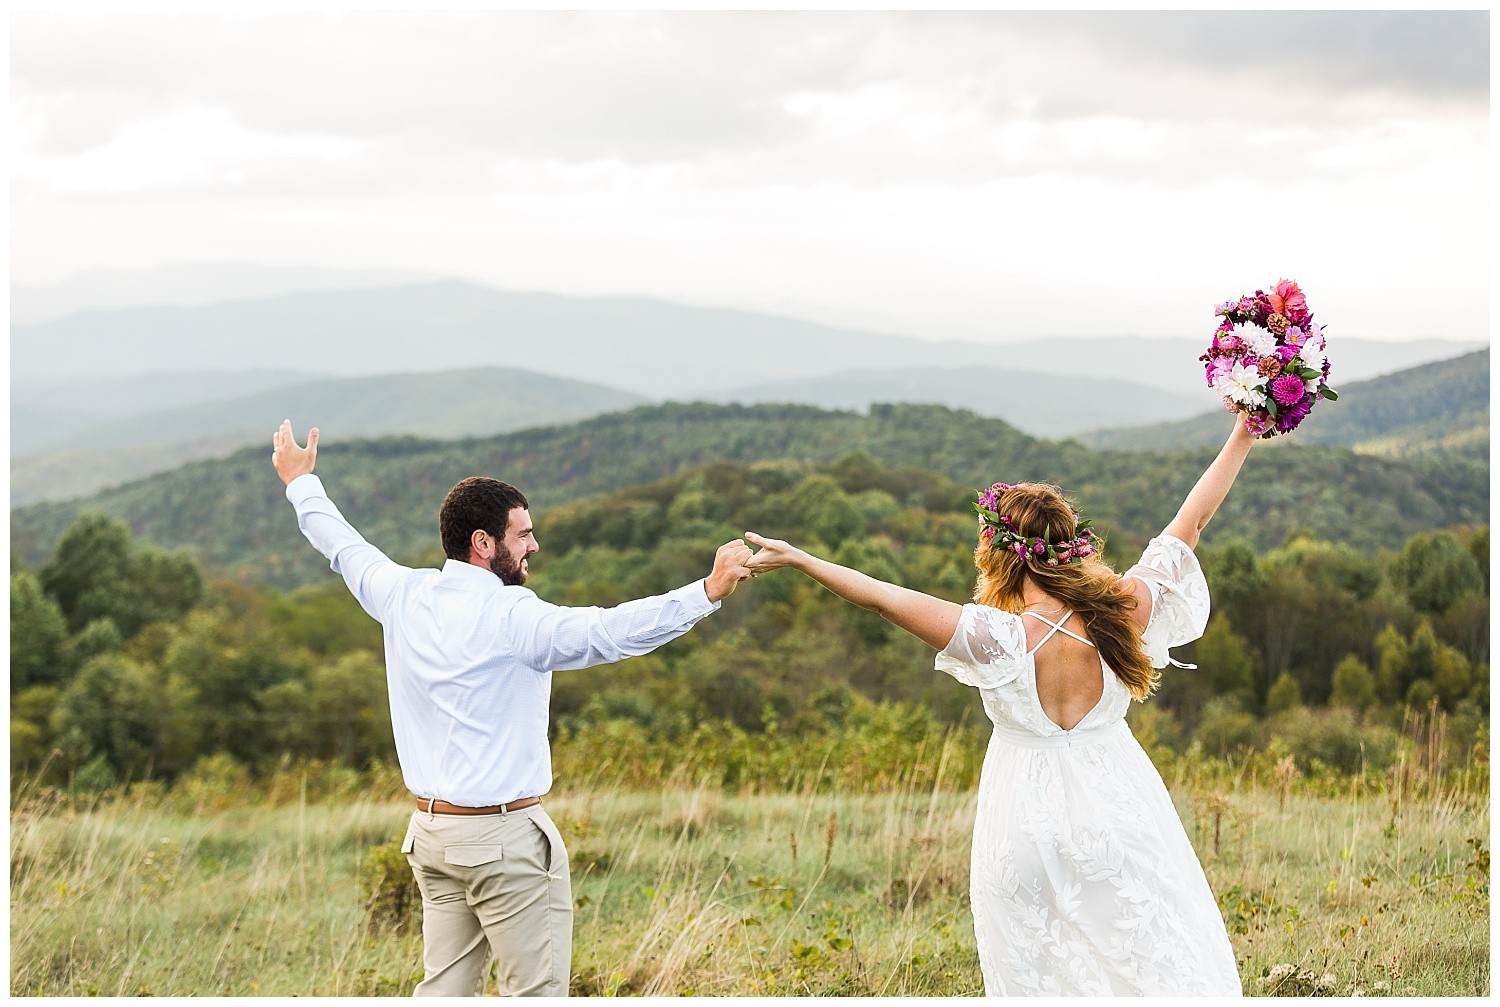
(987, 649)
(371, 575)
(552, 637)
(1179, 596)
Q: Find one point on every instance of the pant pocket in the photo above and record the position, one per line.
(556, 857)
(472, 855)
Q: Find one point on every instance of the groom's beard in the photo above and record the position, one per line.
(512, 571)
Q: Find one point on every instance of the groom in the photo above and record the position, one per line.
(469, 656)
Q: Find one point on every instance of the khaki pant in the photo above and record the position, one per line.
(492, 885)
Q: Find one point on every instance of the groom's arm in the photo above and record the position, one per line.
(371, 575)
(553, 638)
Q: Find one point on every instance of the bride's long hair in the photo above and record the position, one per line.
(1090, 588)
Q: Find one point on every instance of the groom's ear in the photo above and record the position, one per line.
(481, 544)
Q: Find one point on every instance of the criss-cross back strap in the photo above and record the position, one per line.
(1057, 627)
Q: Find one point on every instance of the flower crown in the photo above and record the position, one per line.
(1001, 532)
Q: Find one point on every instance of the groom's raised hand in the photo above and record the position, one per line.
(729, 569)
(291, 459)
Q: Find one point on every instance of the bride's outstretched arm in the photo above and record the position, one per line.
(931, 620)
(1212, 487)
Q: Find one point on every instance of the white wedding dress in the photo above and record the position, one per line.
(1083, 881)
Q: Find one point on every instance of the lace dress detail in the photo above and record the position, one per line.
(1083, 881)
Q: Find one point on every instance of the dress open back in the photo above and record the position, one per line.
(1083, 881)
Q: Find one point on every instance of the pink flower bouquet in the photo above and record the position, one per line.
(1269, 360)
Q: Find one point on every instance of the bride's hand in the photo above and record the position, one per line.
(771, 554)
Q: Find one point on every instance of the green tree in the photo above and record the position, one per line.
(1435, 570)
(38, 634)
(1284, 695)
(31, 736)
(1225, 662)
(826, 510)
(1479, 548)
(101, 636)
(1393, 673)
(110, 711)
(91, 564)
(228, 663)
(97, 573)
(350, 713)
(1353, 685)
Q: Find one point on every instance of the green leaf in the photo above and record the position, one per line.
(1329, 393)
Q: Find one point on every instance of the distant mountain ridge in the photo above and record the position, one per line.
(187, 284)
(652, 348)
(1442, 405)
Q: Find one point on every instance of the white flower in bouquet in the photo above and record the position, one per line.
(1313, 353)
(1242, 384)
(1261, 341)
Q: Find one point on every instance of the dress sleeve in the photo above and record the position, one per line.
(987, 648)
(1179, 596)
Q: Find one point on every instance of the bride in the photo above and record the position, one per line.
(1082, 879)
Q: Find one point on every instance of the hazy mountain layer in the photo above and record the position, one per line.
(451, 404)
(1043, 405)
(47, 415)
(653, 348)
(186, 284)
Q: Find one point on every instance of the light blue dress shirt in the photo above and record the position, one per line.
(469, 658)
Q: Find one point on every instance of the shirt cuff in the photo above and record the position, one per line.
(303, 488)
(695, 597)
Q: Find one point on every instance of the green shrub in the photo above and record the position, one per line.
(1225, 727)
(1334, 739)
(392, 899)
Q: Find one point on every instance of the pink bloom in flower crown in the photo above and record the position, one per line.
(1287, 389)
(1258, 423)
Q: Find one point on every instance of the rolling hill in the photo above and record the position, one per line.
(231, 512)
(45, 416)
(465, 403)
(1443, 405)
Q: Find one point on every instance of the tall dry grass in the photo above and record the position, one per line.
(1373, 884)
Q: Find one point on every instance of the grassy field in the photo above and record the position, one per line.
(690, 891)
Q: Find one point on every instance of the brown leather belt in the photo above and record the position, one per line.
(433, 806)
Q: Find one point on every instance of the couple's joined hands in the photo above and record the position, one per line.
(735, 562)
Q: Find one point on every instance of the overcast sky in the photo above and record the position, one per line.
(972, 175)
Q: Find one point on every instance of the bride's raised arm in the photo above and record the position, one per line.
(1212, 487)
(931, 620)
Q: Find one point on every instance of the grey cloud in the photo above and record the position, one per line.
(685, 86)
(1434, 54)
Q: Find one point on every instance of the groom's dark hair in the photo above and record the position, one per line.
(477, 503)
